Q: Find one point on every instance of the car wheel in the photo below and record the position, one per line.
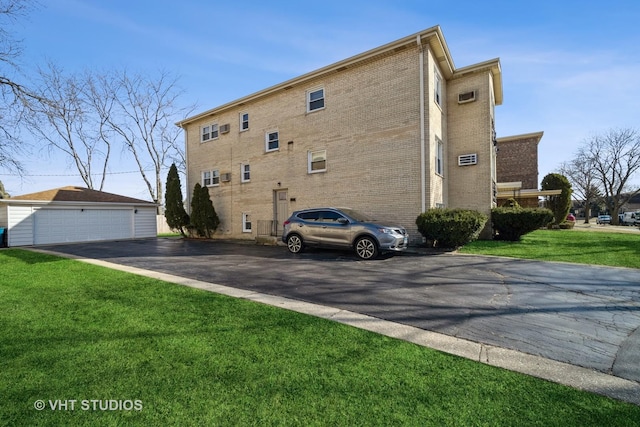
(294, 244)
(366, 248)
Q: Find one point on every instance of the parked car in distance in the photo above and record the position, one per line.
(342, 228)
(603, 219)
(571, 217)
(630, 218)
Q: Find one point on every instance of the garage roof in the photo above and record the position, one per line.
(78, 194)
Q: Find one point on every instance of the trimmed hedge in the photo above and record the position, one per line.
(450, 228)
(513, 223)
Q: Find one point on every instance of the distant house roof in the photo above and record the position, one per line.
(77, 194)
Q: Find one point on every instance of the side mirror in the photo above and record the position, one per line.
(343, 221)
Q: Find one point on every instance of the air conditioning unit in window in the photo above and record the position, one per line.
(468, 159)
(225, 128)
(465, 97)
(225, 177)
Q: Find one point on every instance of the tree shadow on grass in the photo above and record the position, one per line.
(29, 257)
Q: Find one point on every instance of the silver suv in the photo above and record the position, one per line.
(342, 228)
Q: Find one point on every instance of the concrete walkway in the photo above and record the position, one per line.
(564, 373)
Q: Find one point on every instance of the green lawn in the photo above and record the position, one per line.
(599, 248)
(73, 331)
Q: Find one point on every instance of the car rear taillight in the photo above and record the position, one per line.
(286, 223)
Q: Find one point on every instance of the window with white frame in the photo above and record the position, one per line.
(315, 100)
(437, 87)
(439, 157)
(317, 161)
(205, 133)
(245, 172)
(244, 122)
(209, 132)
(271, 141)
(206, 178)
(246, 223)
(210, 178)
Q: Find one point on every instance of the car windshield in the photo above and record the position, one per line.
(358, 216)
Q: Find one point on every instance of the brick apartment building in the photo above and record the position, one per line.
(393, 132)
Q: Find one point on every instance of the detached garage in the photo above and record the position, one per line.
(75, 214)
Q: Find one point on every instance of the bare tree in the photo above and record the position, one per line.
(581, 174)
(615, 156)
(145, 110)
(13, 95)
(65, 117)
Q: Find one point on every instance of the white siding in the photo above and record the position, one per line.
(20, 225)
(145, 222)
(82, 225)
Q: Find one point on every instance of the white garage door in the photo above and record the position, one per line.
(82, 225)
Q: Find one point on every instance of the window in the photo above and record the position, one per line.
(330, 216)
(206, 178)
(271, 141)
(309, 216)
(205, 133)
(317, 161)
(244, 122)
(438, 88)
(209, 132)
(246, 223)
(315, 100)
(215, 177)
(245, 173)
(210, 178)
(439, 157)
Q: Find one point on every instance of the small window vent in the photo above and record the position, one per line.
(225, 128)
(468, 159)
(225, 177)
(465, 97)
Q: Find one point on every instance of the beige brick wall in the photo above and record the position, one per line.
(470, 133)
(370, 128)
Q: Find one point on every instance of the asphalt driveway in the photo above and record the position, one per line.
(584, 315)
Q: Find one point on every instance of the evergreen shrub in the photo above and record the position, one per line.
(450, 228)
(513, 223)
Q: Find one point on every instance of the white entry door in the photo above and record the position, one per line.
(281, 203)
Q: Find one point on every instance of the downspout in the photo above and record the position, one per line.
(186, 172)
(423, 171)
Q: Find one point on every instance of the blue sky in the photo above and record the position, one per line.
(570, 68)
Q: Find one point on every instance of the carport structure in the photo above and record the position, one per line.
(75, 214)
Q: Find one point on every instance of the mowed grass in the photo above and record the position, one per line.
(598, 248)
(74, 331)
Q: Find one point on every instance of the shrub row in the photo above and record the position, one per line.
(452, 228)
